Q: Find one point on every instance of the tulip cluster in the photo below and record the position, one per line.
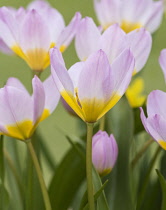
(109, 56)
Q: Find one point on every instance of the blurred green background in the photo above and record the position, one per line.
(13, 66)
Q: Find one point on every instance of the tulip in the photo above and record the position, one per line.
(113, 41)
(32, 32)
(21, 113)
(104, 152)
(130, 14)
(162, 61)
(93, 87)
(134, 93)
(155, 123)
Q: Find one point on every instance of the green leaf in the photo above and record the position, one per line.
(1, 160)
(138, 126)
(4, 197)
(163, 187)
(120, 122)
(101, 201)
(68, 177)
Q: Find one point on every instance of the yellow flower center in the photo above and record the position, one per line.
(38, 59)
(129, 26)
(25, 129)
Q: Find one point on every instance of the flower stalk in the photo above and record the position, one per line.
(40, 176)
(89, 165)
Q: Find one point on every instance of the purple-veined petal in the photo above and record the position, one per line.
(162, 61)
(95, 78)
(155, 17)
(38, 5)
(140, 43)
(15, 106)
(69, 32)
(34, 33)
(4, 48)
(122, 68)
(156, 103)
(156, 125)
(14, 82)
(87, 38)
(108, 12)
(38, 98)
(63, 81)
(113, 41)
(74, 72)
(59, 72)
(52, 94)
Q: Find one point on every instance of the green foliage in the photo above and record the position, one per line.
(120, 122)
(163, 187)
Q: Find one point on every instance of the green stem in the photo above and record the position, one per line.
(141, 152)
(146, 179)
(102, 123)
(89, 166)
(40, 176)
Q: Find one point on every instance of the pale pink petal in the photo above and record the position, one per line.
(156, 103)
(34, 32)
(122, 68)
(74, 72)
(113, 41)
(4, 48)
(162, 61)
(14, 82)
(87, 38)
(95, 80)
(38, 5)
(107, 11)
(59, 72)
(52, 94)
(15, 106)
(154, 20)
(38, 98)
(69, 31)
(140, 43)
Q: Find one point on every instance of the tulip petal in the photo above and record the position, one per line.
(14, 82)
(63, 81)
(52, 94)
(68, 33)
(87, 38)
(122, 68)
(108, 12)
(34, 32)
(162, 61)
(95, 85)
(155, 126)
(38, 98)
(74, 72)
(140, 43)
(95, 78)
(156, 103)
(155, 16)
(113, 42)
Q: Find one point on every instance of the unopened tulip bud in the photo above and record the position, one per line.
(104, 152)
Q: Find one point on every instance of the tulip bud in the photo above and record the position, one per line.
(104, 152)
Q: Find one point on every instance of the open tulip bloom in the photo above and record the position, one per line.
(113, 41)
(31, 33)
(130, 14)
(162, 61)
(155, 123)
(94, 86)
(20, 113)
